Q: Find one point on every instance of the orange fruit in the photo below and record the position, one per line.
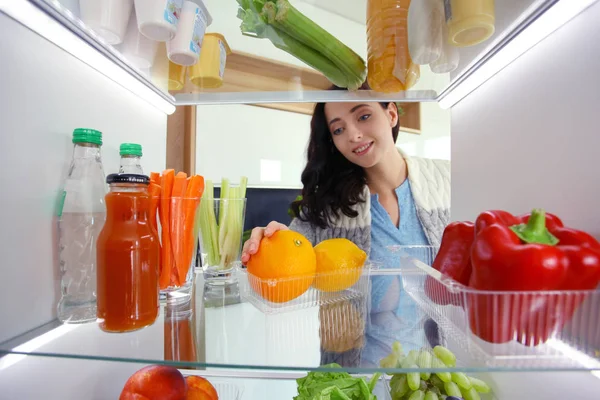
(339, 264)
(284, 266)
(200, 389)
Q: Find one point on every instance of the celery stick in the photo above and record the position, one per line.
(254, 25)
(208, 224)
(291, 21)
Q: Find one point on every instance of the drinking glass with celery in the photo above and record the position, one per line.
(221, 223)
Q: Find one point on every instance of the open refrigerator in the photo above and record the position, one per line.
(531, 86)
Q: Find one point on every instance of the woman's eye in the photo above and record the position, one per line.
(337, 131)
(364, 117)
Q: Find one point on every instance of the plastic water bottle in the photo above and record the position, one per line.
(131, 159)
(81, 218)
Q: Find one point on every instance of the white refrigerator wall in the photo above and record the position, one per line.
(44, 94)
(529, 137)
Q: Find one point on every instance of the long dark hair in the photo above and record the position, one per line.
(331, 183)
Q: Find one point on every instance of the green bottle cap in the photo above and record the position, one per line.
(130, 149)
(84, 135)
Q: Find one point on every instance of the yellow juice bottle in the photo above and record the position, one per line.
(390, 67)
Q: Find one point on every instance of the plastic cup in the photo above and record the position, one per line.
(108, 18)
(209, 71)
(184, 48)
(158, 19)
(137, 48)
(176, 76)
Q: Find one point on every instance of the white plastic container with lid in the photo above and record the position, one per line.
(158, 19)
(184, 48)
(108, 18)
(137, 48)
(425, 21)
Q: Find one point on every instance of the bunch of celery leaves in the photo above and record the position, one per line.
(291, 31)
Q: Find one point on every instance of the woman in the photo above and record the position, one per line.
(359, 186)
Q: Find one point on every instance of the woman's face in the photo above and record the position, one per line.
(362, 132)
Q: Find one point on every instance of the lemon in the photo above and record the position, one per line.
(339, 264)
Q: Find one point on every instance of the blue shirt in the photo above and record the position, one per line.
(394, 315)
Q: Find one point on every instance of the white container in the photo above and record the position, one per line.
(184, 48)
(425, 21)
(108, 18)
(137, 48)
(158, 19)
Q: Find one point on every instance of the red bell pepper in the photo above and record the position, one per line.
(453, 260)
(509, 257)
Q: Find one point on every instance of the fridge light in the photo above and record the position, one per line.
(38, 21)
(559, 14)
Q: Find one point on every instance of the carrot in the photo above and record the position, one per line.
(155, 178)
(166, 181)
(154, 192)
(192, 200)
(177, 230)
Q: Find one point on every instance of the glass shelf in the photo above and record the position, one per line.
(217, 329)
(256, 71)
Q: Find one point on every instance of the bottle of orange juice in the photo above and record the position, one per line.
(391, 68)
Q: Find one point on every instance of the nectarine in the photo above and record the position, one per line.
(200, 389)
(155, 382)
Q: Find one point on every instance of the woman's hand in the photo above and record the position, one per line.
(251, 245)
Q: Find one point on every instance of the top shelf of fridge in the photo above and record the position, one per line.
(255, 70)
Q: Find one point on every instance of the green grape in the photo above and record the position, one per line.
(443, 397)
(397, 349)
(479, 385)
(445, 355)
(461, 380)
(410, 359)
(431, 396)
(414, 379)
(407, 395)
(436, 389)
(389, 361)
(417, 395)
(452, 389)
(444, 376)
(424, 361)
(399, 385)
(470, 394)
(437, 382)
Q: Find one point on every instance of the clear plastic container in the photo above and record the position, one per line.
(449, 57)
(184, 48)
(390, 66)
(108, 18)
(158, 19)
(209, 71)
(470, 22)
(251, 288)
(131, 158)
(81, 216)
(177, 74)
(425, 22)
(137, 48)
(529, 328)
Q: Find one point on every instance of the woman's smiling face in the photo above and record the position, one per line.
(362, 132)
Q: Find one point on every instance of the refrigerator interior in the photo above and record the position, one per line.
(526, 138)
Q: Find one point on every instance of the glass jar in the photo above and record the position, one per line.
(128, 257)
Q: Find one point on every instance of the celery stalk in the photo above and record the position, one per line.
(208, 224)
(254, 25)
(291, 21)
